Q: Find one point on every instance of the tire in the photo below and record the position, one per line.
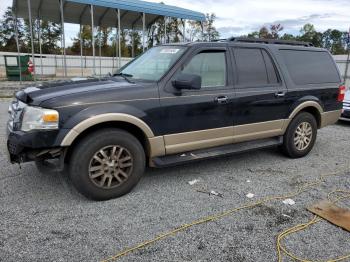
(297, 141)
(122, 164)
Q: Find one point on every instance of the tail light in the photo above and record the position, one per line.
(341, 94)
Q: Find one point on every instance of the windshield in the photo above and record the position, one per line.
(153, 64)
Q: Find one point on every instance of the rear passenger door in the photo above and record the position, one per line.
(259, 102)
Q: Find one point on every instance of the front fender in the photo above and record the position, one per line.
(97, 114)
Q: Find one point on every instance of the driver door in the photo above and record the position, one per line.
(196, 119)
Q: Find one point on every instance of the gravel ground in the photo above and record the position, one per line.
(44, 218)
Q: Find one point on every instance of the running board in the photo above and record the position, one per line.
(183, 158)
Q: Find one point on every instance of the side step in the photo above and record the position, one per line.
(183, 158)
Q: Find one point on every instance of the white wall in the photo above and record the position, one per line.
(53, 64)
(341, 61)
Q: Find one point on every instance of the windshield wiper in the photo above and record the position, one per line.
(125, 76)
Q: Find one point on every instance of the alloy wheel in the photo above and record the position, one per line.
(303, 136)
(110, 167)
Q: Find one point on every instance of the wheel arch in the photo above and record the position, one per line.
(153, 145)
(311, 107)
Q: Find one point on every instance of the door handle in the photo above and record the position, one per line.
(221, 99)
(280, 94)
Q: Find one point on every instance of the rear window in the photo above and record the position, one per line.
(310, 67)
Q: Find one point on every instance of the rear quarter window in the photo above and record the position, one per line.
(310, 67)
(254, 67)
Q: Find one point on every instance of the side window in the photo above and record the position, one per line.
(310, 66)
(270, 69)
(255, 67)
(211, 66)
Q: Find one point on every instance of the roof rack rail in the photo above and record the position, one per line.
(267, 41)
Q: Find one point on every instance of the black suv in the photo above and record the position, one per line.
(174, 104)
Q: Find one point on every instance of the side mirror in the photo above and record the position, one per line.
(187, 81)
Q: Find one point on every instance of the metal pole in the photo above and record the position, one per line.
(113, 58)
(81, 49)
(165, 23)
(40, 43)
(18, 50)
(31, 34)
(100, 50)
(184, 30)
(346, 67)
(63, 39)
(116, 45)
(61, 57)
(93, 38)
(143, 31)
(119, 44)
(202, 26)
(348, 57)
(132, 43)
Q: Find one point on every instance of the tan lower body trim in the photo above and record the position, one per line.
(330, 117)
(156, 145)
(188, 141)
(259, 130)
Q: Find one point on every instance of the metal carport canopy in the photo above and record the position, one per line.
(78, 12)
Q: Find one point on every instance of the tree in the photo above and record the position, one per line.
(103, 34)
(309, 34)
(264, 33)
(7, 32)
(271, 32)
(288, 37)
(124, 43)
(194, 31)
(135, 47)
(175, 30)
(50, 36)
(275, 29)
(254, 34)
(209, 31)
(334, 41)
(86, 37)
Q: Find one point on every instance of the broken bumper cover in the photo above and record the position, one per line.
(24, 146)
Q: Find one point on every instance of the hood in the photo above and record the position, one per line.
(35, 95)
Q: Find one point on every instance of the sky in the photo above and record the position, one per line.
(238, 17)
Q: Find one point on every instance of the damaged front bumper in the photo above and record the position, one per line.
(30, 146)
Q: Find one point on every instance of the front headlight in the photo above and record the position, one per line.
(39, 118)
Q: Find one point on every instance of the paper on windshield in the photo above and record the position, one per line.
(169, 51)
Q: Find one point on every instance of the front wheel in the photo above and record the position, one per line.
(300, 136)
(107, 164)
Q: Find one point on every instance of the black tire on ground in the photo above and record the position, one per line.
(84, 159)
(303, 121)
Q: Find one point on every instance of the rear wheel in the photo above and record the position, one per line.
(300, 136)
(107, 164)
